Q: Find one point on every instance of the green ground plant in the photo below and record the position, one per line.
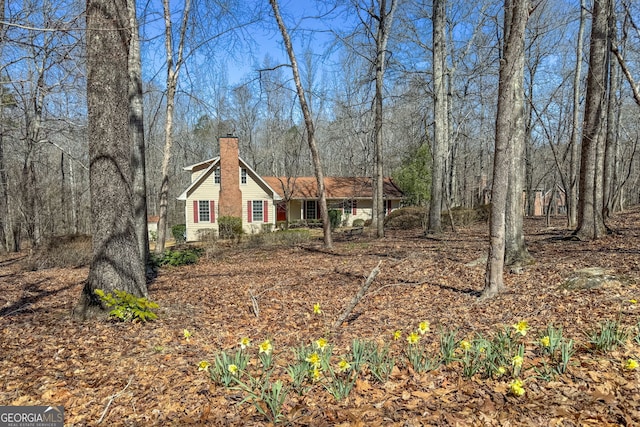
(126, 307)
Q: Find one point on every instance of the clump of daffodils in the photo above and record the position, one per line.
(516, 387)
(521, 327)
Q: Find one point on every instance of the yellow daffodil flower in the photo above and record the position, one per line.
(321, 343)
(343, 366)
(423, 327)
(516, 387)
(316, 308)
(314, 359)
(233, 369)
(517, 361)
(633, 301)
(315, 374)
(521, 327)
(397, 335)
(413, 338)
(465, 345)
(545, 341)
(245, 342)
(203, 366)
(501, 371)
(186, 334)
(631, 364)
(266, 347)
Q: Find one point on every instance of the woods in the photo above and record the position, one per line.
(401, 78)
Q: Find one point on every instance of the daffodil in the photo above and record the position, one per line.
(516, 387)
(343, 366)
(321, 343)
(631, 364)
(266, 347)
(186, 334)
(315, 374)
(633, 301)
(203, 365)
(423, 327)
(413, 338)
(501, 371)
(316, 308)
(545, 341)
(521, 327)
(517, 361)
(245, 342)
(465, 345)
(233, 369)
(313, 359)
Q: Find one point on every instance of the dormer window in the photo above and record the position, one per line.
(216, 176)
(243, 176)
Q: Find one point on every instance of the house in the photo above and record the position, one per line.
(227, 186)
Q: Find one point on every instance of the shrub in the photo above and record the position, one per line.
(207, 235)
(358, 222)
(178, 257)
(230, 227)
(179, 233)
(405, 218)
(335, 218)
(128, 307)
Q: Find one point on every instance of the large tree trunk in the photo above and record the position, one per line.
(308, 121)
(136, 131)
(613, 118)
(516, 14)
(590, 222)
(572, 190)
(115, 263)
(441, 127)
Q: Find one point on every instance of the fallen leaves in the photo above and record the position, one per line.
(47, 358)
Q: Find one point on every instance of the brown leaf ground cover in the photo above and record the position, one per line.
(114, 374)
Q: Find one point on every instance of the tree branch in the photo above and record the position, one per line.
(358, 297)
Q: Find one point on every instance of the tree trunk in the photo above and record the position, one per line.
(136, 131)
(115, 263)
(590, 222)
(4, 194)
(516, 14)
(308, 121)
(441, 128)
(516, 253)
(572, 191)
(173, 71)
(613, 115)
(382, 38)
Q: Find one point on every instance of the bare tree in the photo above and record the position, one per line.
(116, 263)
(590, 203)
(309, 125)
(516, 14)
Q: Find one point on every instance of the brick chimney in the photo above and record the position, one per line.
(230, 202)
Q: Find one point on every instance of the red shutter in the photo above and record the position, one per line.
(249, 210)
(212, 211)
(196, 214)
(354, 207)
(265, 211)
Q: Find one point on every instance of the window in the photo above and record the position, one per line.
(216, 176)
(257, 211)
(310, 209)
(203, 209)
(243, 176)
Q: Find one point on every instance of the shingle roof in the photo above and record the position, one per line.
(336, 187)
